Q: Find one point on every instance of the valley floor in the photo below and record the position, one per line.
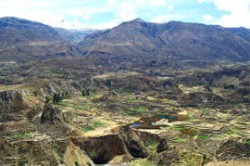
(126, 119)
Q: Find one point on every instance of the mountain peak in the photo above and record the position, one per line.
(138, 20)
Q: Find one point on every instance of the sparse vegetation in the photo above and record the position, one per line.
(93, 125)
(230, 86)
(65, 103)
(152, 144)
(232, 130)
(141, 162)
(177, 127)
(205, 110)
(22, 162)
(179, 140)
(248, 141)
(20, 136)
(139, 109)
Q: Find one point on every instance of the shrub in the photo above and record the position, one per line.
(57, 98)
(225, 86)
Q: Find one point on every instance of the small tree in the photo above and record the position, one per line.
(57, 98)
(109, 83)
(85, 92)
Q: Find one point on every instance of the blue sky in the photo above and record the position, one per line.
(102, 14)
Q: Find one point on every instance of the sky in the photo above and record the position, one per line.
(103, 14)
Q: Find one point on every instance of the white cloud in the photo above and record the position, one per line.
(170, 7)
(106, 25)
(112, 2)
(157, 2)
(208, 19)
(139, 1)
(47, 12)
(165, 18)
(239, 13)
(202, 1)
(79, 13)
(84, 13)
(127, 11)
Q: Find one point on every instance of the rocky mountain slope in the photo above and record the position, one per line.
(20, 31)
(173, 40)
(23, 40)
(74, 35)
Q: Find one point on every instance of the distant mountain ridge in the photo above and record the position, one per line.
(75, 35)
(17, 31)
(23, 40)
(137, 40)
(242, 32)
(174, 40)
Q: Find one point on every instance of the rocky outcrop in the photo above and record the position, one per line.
(51, 115)
(52, 122)
(168, 158)
(175, 158)
(133, 143)
(123, 145)
(147, 139)
(102, 149)
(163, 145)
(11, 100)
(202, 99)
(229, 163)
(64, 89)
(6, 97)
(12, 106)
(75, 156)
(130, 83)
(233, 150)
(27, 152)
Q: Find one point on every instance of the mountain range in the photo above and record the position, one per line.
(24, 40)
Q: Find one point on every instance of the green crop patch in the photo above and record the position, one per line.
(203, 137)
(179, 140)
